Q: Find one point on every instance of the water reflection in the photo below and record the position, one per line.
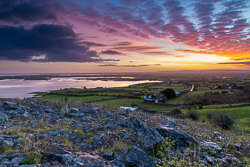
(17, 88)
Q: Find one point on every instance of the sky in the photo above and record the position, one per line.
(96, 36)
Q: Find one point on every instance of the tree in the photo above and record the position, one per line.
(169, 93)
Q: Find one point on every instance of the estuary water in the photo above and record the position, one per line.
(19, 88)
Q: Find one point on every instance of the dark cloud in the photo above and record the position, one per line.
(108, 30)
(111, 52)
(194, 51)
(156, 53)
(56, 42)
(29, 10)
(136, 48)
(90, 44)
(123, 43)
(114, 65)
(245, 63)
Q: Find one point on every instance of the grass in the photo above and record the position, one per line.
(241, 114)
(73, 98)
(129, 102)
(7, 150)
(118, 147)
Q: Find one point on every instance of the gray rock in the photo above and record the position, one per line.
(72, 136)
(109, 155)
(119, 162)
(218, 136)
(20, 111)
(53, 121)
(84, 110)
(67, 159)
(181, 138)
(148, 135)
(139, 158)
(52, 133)
(170, 122)
(3, 118)
(48, 110)
(137, 124)
(127, 112)
(15, 160)
(237, 146)
(208, 159)
(109, 113)
(213, 146)
(26, 114)
(95, 110)
(9, 105)
(37, 165)
(30, 136)
(34, 125)
(76, 115)
(110, 126)
(7, 143)
(19, 140)
(74, 110)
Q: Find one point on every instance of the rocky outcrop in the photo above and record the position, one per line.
(89, 136)
(137, 157)
(147, 135)
(180, 138)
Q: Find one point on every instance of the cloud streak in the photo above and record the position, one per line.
(110, 52)
(114, 65)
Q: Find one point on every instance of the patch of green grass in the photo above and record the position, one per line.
(90, 141)
(7, 150)
(118, 147)
(89, 135)
(240, 113)
(79, 134)
(73, 98)
(140, 102)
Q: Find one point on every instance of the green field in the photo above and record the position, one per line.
(105, 97)
(129, 102)
(73, 98)
(241, 114)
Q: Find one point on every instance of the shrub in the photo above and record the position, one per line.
(134, 104)
(169, 93)
(248, 122)
(181, 116)
(210, 115)
(194, 115)
(35, 151)
(224, 120)
(145, 109)
(200, 107)
(32, 155)
(175, 111)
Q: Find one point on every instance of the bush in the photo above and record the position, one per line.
(200, 107)
(35, 151)
(210, 115)
(134, 104)
(175, 111)
(181, 116)
(169, 93)
(224, 120)
(194, 115)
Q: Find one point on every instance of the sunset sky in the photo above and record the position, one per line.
(123, 35)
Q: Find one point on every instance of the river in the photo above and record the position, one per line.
(19, 88)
